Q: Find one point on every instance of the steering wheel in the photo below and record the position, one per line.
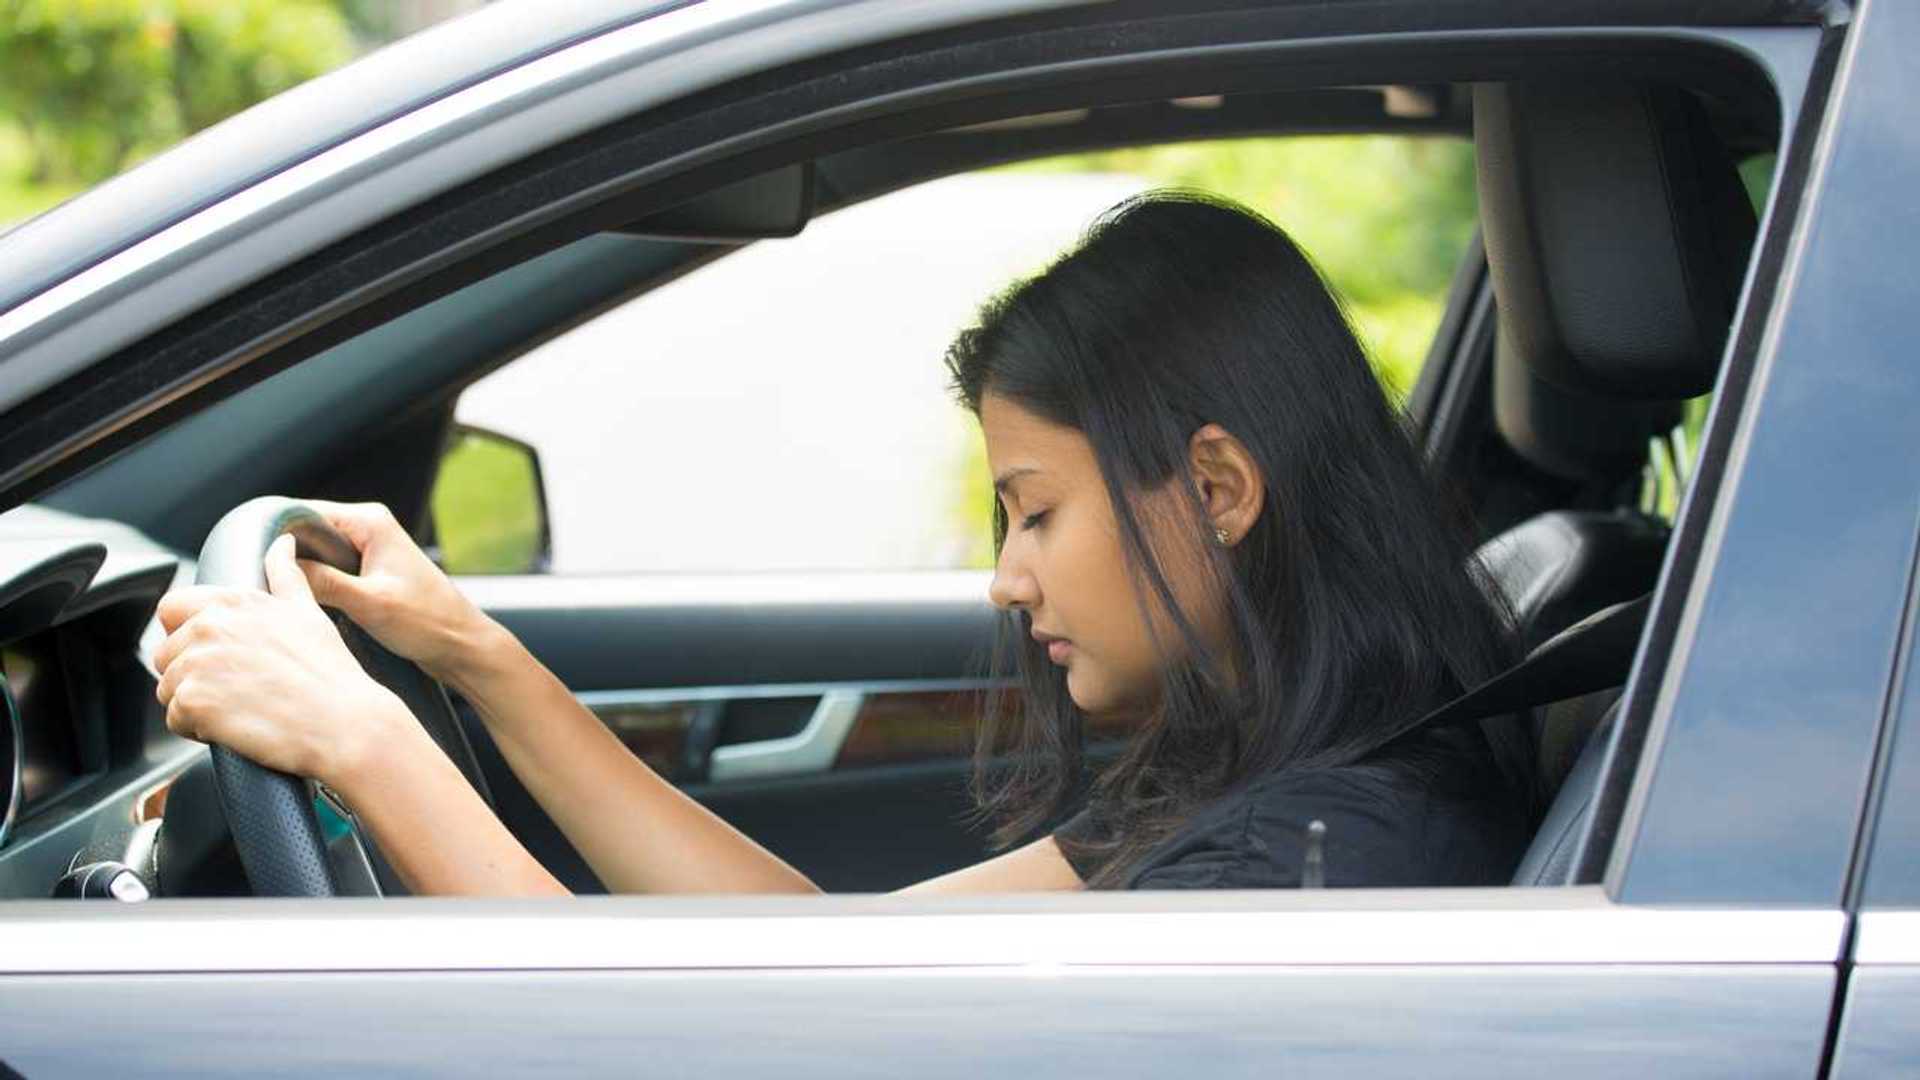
(274, 816)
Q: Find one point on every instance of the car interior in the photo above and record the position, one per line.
(1584, 328)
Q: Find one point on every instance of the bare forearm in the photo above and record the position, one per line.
(431, 825)
(637, 831)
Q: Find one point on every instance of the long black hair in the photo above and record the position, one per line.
(1355, 602)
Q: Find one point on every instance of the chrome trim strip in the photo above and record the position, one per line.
(1887, 937)
(530, 592)
(669, 55)
(598, 700)
(812, 749)
(1517, 926)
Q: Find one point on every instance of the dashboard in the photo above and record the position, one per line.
(53, 751)
(85, 756)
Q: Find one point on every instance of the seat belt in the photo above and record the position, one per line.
(1593, 654)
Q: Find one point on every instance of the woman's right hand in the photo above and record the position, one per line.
(408, 604)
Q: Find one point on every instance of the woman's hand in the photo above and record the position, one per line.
(267, 675)
(399, 596)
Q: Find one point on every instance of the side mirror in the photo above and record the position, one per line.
(488, 510)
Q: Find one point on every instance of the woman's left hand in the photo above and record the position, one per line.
(267, 675)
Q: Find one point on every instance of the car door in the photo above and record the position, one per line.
(1878, 1033)
(1704, 940)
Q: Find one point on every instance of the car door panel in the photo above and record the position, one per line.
(651, 632)
(829, 717)
(862, 829)
(1469, 1022)
(1880, 1033)
(869, 988)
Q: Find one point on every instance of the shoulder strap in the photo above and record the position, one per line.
(1592, 654)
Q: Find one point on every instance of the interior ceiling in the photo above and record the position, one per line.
(1745, 126)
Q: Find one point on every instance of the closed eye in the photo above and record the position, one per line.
(1032, 520)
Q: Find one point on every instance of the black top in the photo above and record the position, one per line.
(1386, 826)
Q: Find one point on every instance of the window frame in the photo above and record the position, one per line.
(218, 349)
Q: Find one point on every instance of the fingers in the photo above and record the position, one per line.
(180, 724)
(167, 651)
(171, 675)
(333, 587)
(184, 603)
(181, 720)
(361, 523)
(284, 578)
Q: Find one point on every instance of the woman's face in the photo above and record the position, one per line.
(1064, 564)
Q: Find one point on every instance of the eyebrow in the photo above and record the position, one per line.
(1002, 481)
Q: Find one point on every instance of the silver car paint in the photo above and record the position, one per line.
(1749, 1022)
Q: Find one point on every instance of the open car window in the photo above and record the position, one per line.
(803, 376)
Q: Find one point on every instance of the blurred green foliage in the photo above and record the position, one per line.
(1385, 217)
(231, 54)
(88, 86)
(487, 507)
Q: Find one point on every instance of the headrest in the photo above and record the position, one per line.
(1616, 231)
(1568, 433)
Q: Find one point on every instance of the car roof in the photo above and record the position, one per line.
(294, 126)
(412, 73)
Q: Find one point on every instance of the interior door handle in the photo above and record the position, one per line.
(812, 749)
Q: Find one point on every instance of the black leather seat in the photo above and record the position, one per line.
(1556, 843)
(1564, 565)
(1555, 570)
(1617, 234)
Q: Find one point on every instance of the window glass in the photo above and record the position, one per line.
(1670, 467)
(786, 408)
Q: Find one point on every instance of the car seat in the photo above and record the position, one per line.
(1617, 234)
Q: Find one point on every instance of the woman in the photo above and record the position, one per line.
(1211, 525)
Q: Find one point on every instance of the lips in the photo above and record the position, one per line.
(1058, 648)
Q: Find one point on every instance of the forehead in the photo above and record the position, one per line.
(1019, 439)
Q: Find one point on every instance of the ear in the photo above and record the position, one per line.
(1231, 486)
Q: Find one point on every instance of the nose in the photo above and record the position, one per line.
(1013, 586)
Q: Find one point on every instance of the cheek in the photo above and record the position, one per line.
(1116, 665)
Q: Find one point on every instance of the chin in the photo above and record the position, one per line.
(1087, 693)
(1076, 689)
(1106, 697)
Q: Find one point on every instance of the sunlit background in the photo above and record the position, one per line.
(786, 407)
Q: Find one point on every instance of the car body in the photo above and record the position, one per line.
(230, 317)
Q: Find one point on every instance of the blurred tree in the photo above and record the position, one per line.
(376, 22)
(230, 54)
(84, 81)
(1385, 217)
(91, 84)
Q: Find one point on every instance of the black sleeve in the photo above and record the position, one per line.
(1071, 838)
(1236, 850)
(1258, 839)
